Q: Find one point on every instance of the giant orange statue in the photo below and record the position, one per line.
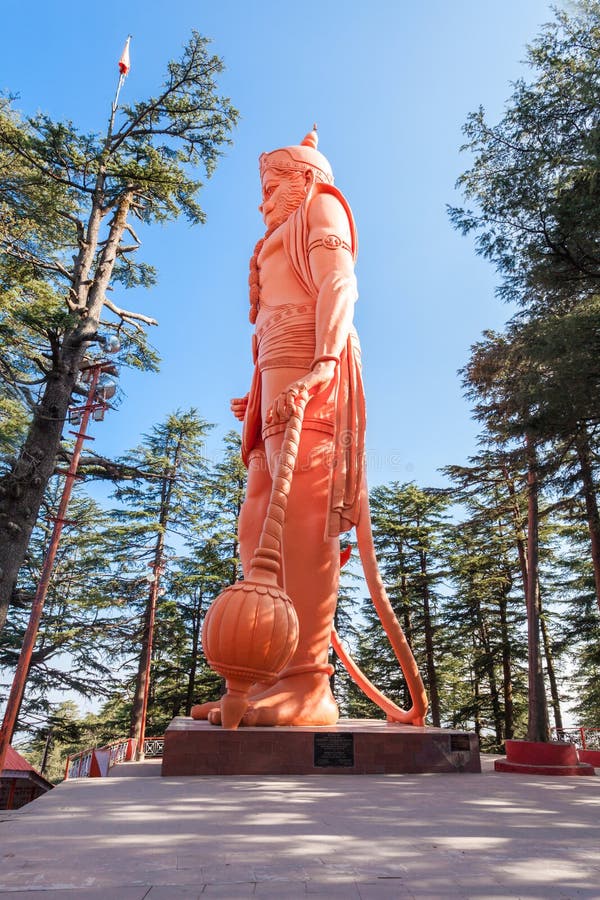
(307, 362)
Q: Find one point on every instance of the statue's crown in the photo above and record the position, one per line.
(299, 157)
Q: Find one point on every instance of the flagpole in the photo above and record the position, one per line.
(115, 102)
(124, 66)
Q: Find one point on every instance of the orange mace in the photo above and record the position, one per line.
(250, 631)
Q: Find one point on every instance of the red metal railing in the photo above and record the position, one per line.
(79, 765)
(98, 761)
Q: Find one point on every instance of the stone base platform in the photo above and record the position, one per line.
(352, 747)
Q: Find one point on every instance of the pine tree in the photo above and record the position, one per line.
(158, 509)
(84, 621)
(533, 182)
(227, 487)
(199, 578)
(483, 620)
(579, 623)
(63, 734)
(351, 701)
(67, 205)
(408, 523)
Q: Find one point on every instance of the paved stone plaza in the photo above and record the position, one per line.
(136, 836)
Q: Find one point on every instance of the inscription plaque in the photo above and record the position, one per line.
(334, 749)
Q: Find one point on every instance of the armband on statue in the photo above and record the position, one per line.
(330, 242)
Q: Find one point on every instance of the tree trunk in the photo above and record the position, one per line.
(549, 657)
(406, 614)
(476, 695)
(518, 523)
(509, 715)
(491, 675)
(191, 685)
(430, 660)
(582, 446)
(142, 686)
(22, 489)
(406, 619)
(537, 726)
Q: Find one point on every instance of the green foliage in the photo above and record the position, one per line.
(81, 633)
(50, 745)
(534, 181)
(579, 622)
(484, 619)
(185, 124)
(408, 528)
(32, 316)
(540, 376)
(13, 425)
(349, 626)
(183, 511)
(533, 194)
(68, 201)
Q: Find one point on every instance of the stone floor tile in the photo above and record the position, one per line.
(383, 889)
(173, 892)
(230, 891)
(222, 873)
(272, 890)
(347, 890)
(281, 872)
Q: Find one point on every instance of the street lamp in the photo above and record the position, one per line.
(90, 374)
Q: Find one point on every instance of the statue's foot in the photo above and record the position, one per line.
(416, 720)
(203, 710)
(302, 696)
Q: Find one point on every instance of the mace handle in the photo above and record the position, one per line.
(268, 553)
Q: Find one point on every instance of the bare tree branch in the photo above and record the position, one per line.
(127, 316)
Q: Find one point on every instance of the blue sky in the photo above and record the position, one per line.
(390, 85)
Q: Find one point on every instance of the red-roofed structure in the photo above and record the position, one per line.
(20, 783)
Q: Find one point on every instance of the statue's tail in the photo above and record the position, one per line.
(416, 714)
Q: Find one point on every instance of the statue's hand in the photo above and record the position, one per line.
(313, 382)
(239, 406)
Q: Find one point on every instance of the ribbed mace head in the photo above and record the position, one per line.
(249, 634)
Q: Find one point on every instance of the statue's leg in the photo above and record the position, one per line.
(252, 516)
(302, 696)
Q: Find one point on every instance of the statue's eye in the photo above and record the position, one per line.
(268, 190)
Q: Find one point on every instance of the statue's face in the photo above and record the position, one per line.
(282, 194)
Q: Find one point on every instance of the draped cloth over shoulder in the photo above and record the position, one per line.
(348, 458)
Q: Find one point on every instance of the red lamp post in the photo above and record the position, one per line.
(95, 406)
(157, 570)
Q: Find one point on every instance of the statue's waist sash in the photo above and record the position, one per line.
(285, 336)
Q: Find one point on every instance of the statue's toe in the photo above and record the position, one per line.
(202, 710)
(214, 716)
